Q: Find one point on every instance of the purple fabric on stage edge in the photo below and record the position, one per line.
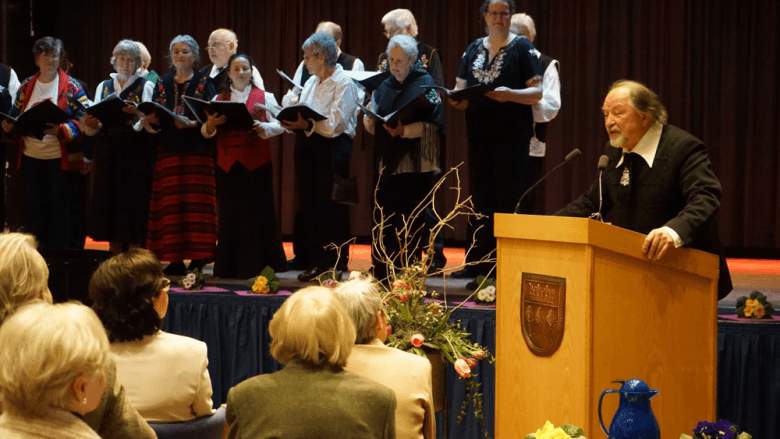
(773, 319)
(249, 293)
(204, 290)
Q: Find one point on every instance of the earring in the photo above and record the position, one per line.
(84, 401)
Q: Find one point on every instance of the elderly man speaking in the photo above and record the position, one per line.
(658, 179)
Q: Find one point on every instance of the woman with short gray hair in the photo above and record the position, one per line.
(407, 374)
(402, 22)
(313, 337)
(123, 157)
(408, 153)
(183, 207)
(327, 145)
(52, 361)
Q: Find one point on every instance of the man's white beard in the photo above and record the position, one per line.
(619, 141)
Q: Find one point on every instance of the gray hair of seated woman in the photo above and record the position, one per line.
(313, 326)
(45, 348)
(188, 40)
(404, 42)
(320, 43)
(362, 301)
(128, 47)
(24, 275)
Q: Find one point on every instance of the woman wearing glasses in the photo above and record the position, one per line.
(499, 124)
(50, 165)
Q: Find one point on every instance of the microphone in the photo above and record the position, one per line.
(603, 161)
(569, 157)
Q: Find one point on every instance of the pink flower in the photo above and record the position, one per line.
(479, 355)
(462, 368)
(389, 329)
(329, 283)
(417, 340)
(400, 283)
(402, 297)
(472, 362)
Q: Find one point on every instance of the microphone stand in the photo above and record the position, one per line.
(569, 157)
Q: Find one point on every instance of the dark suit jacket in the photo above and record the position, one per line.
(305, 401)
(680, 191)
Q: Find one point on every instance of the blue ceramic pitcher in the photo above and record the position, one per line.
(634, 418)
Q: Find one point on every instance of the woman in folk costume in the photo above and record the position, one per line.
(123, 158)
(248, 235)
(183, 210)
(51, 165)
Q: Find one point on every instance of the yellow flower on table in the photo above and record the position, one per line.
(752, 303)
(759, 311)
(550, 432)
(261, 285)
(748, 310)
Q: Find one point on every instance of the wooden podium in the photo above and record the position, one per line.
(623, 317)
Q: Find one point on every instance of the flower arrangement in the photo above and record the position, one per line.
(419, 322)
(265, 283)
(486, 291)
(721, 430)
(754, 307)
(193, 280)
(565, 431)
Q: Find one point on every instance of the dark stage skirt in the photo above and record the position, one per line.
(183, 214)
(121, 187)
(249, 236)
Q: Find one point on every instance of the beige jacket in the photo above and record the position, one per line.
(409, 376)
(166, 376)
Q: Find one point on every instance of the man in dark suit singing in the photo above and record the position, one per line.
(658, 179)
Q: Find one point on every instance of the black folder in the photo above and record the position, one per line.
(414, 111)
(476, 91)
(165, 115)
(36, 120)
(290, 114)
(369, 80)
(238, 117)
(109, 111)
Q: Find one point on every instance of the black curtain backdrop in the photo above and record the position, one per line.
(713, 63)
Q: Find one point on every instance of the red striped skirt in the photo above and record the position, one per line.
(183, 209)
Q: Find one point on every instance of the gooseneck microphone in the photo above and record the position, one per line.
(603, 161)
(569, 157)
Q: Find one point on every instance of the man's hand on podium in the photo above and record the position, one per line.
(657, 243)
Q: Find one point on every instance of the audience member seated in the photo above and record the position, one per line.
(407, 374)
(165, 375)
(53, 359)
(312, 396)
(23, 279)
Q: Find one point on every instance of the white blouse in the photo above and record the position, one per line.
(272, 127)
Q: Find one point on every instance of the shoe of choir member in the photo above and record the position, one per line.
(130, 296)
(407, 374)
(248, 237)
(23, 280)
(123, 158)
(183, 208)
(312, 396)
